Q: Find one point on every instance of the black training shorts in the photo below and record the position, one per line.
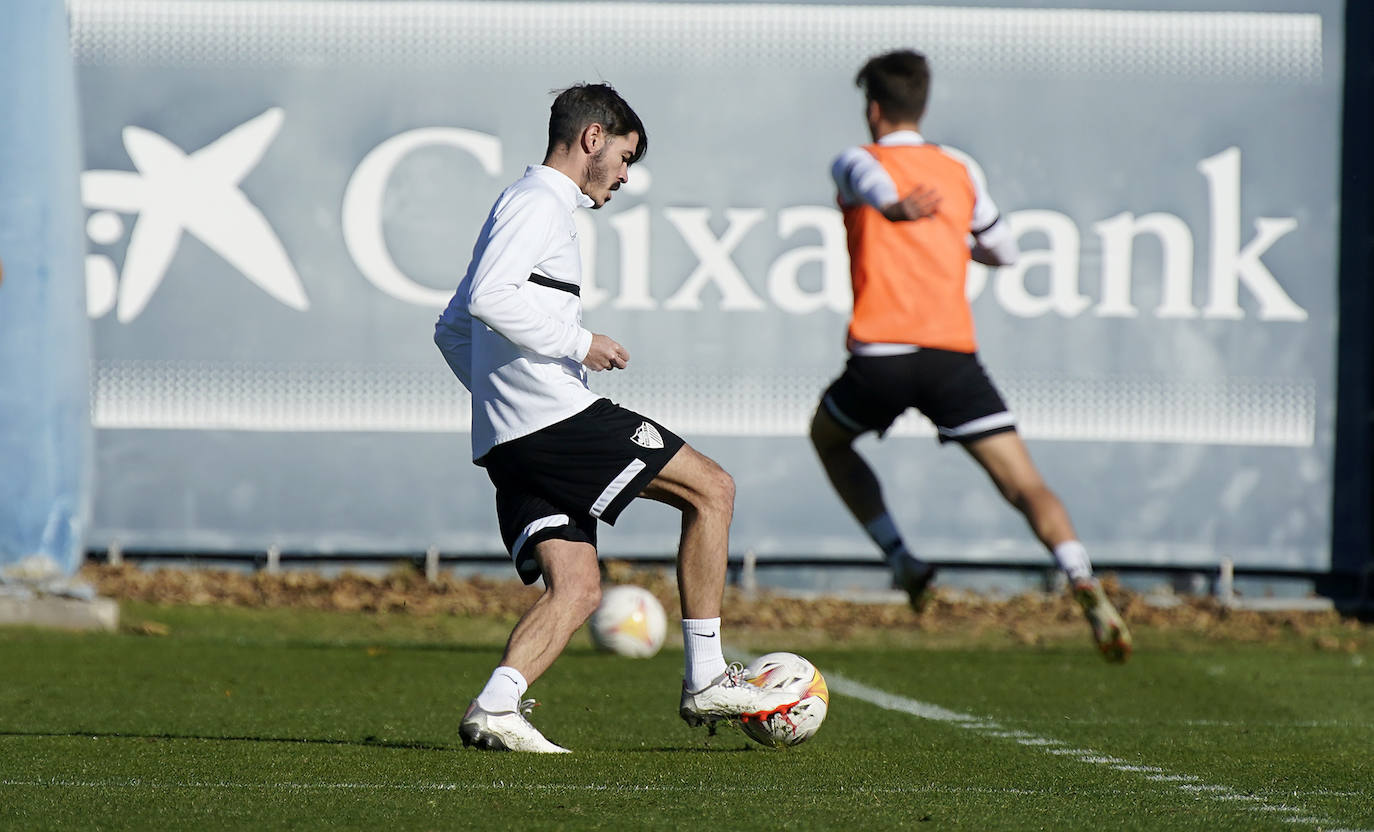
(557, 482)
(950, 388)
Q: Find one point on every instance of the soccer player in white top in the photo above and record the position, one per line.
(562, 457)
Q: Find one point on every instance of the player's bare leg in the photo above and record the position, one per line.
(705, 494)
(496, 719)
(1005, 457)
(861, 493)
(572, 590)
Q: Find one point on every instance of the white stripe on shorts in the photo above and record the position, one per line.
(982, 424)
(880, 349)
(541, 523)
(617, 485)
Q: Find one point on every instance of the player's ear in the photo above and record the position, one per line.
(874, 112)
(593, 136)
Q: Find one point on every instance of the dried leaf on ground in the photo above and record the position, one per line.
(1028, 619)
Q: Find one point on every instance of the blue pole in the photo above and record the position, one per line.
(45, 426)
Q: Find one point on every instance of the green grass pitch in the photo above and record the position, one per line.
(274, 719)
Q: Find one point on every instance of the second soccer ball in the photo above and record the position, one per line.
(629, 622)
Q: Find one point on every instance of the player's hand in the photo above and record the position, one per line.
(920, 203)
(606, 354)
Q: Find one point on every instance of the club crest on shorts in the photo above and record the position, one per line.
(646, 436)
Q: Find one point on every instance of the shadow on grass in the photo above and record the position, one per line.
(687, 750)
(350, 644)
(366, 742)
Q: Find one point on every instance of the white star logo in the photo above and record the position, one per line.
(198, 193)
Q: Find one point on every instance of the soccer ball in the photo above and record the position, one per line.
(629, 622)
(793, 674)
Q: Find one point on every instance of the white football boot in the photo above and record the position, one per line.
(504, 731)
(730, 697)
(1109, 630)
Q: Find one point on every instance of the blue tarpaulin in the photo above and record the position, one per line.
(45, 429)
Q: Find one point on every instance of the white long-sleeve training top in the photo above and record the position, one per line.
(513, 331)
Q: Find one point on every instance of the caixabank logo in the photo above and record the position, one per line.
(173, 193)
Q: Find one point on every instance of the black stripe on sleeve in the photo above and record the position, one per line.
(995, 220)
(560, 285)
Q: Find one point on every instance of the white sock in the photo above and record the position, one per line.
(701, 643)
(503, 691)
(1073, 559)
(884, 532)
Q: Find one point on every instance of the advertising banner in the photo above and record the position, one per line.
(283, 195)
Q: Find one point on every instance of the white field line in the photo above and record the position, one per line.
(1189, 784)
(568, 788)
(501, 785)
(573, 788)
(1344, 725)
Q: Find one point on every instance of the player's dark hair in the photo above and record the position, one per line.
(582, 105)
(899, 82)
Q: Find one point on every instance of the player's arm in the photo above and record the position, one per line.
(454, 337)
(995, 246)
(920, 203)
(993, 243)
(521, 233)
(860, 179)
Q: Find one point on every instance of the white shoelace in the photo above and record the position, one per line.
(734, 674)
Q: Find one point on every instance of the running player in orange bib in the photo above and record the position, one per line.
(915, 215)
